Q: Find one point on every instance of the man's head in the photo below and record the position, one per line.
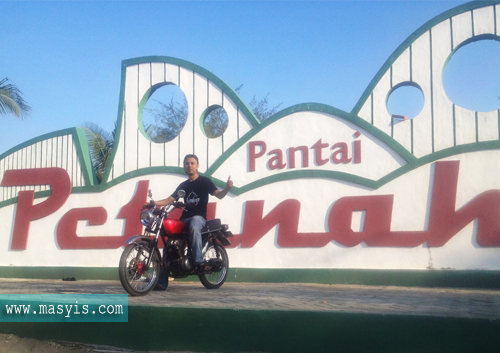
(191, 156)
(191, 165)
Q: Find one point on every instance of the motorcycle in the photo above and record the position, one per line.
(142, 268)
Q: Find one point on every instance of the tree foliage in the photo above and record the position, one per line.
(261, 107)
(216, 123)
(169, 118)
(12, 101)
(100, 144)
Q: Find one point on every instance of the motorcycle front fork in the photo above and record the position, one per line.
(153, 246)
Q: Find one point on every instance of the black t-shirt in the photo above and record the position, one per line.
(196, 198)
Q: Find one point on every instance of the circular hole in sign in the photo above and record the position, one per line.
(216, 122)
(405, 100)
(471, 78)
(165, 114)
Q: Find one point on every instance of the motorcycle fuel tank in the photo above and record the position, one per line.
(173, 226)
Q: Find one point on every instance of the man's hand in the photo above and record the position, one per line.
(229, 183)
(220, 194)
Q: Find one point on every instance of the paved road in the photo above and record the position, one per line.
(464, 303)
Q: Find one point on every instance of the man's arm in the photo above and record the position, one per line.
(220, 194)
(165, 202)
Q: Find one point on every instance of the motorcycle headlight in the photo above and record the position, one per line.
(147, 218)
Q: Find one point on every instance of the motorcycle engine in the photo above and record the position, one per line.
(177, 253)
(175, 248)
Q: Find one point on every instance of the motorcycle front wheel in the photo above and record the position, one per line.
(213, 280)
(136, 279)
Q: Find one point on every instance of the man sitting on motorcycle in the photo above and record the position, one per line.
(197, 189)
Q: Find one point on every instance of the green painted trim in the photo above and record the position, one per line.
(80, 141)
(106, 186)
(469, 41)
(374, 184)
(42, 272)
(320, 108)
(130, 175)
(34, 140)
(241, 105)
(411, 39)
(280, 331)
(432, 90)
(204, 115)
(83, 151)
(406, 278)
(142, 104)
(119, 125)
(472, 147)
(299, 174)
(403, 84)
(413, 162)
(204, 72)
(37, 195)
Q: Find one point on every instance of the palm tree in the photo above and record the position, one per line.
(100, 145)
(11, 100)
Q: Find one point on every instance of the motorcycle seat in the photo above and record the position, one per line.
(211, 225)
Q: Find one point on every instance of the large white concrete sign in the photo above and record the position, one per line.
(315, 187)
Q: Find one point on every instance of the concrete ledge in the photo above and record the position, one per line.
(279, 317)
(227, 330)
(412, 278)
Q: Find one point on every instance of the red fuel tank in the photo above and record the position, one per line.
(173, 226)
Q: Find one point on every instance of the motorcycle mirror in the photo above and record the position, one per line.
(150, 194)
(181, 193)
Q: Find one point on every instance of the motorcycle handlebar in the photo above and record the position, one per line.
(179, 204)
(149, 206)
(152, 205)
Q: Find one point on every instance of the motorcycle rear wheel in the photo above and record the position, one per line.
(215, 279)
(134, 279)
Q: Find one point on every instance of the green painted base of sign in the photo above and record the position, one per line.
(412, 278)
(228, 330)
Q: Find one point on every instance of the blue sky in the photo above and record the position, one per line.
(65, 55)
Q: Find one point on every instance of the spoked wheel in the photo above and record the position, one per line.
(136, 279)
(215, 277)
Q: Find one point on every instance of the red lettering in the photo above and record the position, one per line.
(357, 151)
(254, 226)
(444, 223)
(60, 183)
(318, 146)
(276, 162)
(286, 214)
(253, 155)
(343, 150)
(341, 155)
(305, 156)
(377, 225)
(66, 230)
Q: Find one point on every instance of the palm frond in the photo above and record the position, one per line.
(12, 101)
(100, 145)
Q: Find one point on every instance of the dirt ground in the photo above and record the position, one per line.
(15, 344)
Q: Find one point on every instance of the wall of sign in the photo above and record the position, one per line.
(315, 187)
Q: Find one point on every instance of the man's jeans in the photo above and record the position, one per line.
(196, 224)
